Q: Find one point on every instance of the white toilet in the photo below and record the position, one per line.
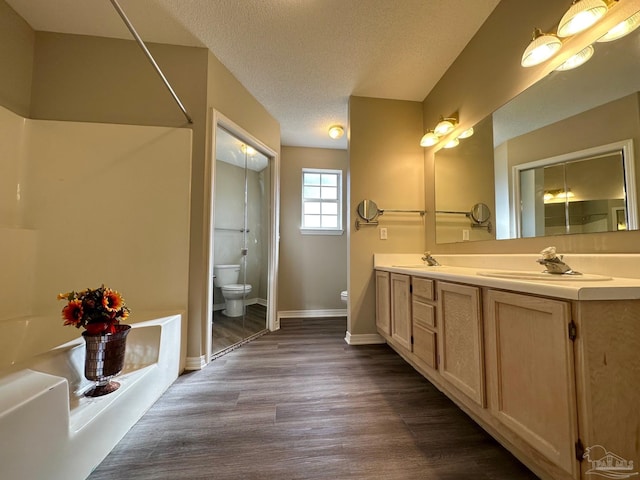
(226, 278)
(344, 296)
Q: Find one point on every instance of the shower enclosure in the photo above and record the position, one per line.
(240, 237)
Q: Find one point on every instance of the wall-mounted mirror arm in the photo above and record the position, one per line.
(478, 216)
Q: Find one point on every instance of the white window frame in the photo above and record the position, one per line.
(338, 230)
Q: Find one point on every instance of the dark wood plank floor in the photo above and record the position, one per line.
(227, 331)
(300, 403)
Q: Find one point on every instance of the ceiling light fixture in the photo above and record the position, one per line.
(623, 28)
(543, 46)
(336, 131)
(580, 16)
(578, 59)
(429, 139)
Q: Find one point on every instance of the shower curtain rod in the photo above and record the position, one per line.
(150, 57)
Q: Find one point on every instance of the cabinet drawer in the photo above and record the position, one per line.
(422, 288)
(424, 314)
(424, 345)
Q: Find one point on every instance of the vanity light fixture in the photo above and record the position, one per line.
(578, 59)
(580, 16)
(466, 134)
(445, 126)
(429, 139)
(451, 143)
(543, 46)
(336, 131)
(623, 28)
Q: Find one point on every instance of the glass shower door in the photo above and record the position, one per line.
(240, 240)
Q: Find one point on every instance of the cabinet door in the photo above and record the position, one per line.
(460, 339)
(401, 309)
(383, 303)
(424, 338)
(531, 373)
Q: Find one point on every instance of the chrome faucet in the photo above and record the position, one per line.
(432, 262)
(554, 264)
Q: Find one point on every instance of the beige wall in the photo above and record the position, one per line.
(485, 76)
(16, 51)
(313, 268)
(386, 166)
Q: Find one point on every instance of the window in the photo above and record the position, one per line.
(321, 201)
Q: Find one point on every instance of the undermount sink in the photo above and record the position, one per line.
(543, 276)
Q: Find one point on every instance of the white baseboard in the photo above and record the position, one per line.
(364, 339)
(336, 312)
(195, 363)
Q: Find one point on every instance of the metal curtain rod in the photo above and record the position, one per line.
(150, 57)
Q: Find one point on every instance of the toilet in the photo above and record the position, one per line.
(226, 278)
(344, 296)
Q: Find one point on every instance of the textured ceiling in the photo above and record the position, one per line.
(301, 59)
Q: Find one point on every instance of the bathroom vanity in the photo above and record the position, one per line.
(548, 366)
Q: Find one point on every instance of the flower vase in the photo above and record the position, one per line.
(104, 359)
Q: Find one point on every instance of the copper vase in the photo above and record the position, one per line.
(105, 359)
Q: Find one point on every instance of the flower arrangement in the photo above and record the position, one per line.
(98, 311)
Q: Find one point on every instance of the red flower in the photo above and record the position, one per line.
(112, 300)
(72, 313)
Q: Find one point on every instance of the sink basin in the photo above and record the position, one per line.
(421, 265)
(516, 275)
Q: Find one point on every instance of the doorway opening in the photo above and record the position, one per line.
(243, 248)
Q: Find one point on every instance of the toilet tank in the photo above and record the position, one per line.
(225, 274)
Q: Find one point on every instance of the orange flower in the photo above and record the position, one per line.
(112, 300)
(72, 313)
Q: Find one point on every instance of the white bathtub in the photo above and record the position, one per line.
(49, 430)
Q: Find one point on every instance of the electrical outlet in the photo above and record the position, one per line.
(383, 233)
(465, 234)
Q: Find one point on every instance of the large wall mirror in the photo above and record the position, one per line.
(573, 135)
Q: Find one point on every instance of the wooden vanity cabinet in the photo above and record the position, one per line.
(551, 379)
(401, 331)
(531, 376)
(423, 303)
(460, 339)
(383, 302)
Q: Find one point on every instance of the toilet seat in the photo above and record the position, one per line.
(237, 287)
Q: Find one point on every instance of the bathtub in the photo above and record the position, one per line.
(49, 429)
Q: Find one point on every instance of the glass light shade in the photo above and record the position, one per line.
(444, 126)
(451, 143)
(336, 131)
(580, 16)
(542, 48)
(466, 134)
(429, 139)
(248, 149)
(623, 28)
(578, 59)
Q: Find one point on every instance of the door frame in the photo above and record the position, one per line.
(218, 119)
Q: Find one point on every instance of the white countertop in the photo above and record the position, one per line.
(572, 288)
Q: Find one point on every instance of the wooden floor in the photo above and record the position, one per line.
(227, 331)
(300, 403)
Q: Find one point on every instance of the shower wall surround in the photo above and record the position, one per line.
(84, 204)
